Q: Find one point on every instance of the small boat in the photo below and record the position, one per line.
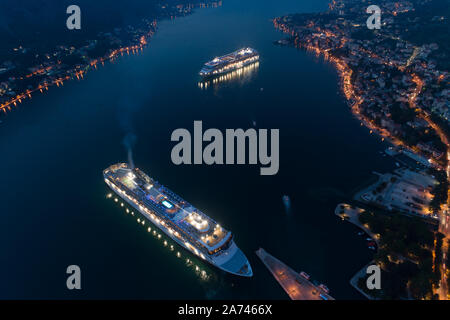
(286, 202)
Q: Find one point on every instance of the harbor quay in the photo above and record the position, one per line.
(297, 285)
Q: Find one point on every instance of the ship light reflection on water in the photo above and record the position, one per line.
(238, 74)
(190, 264)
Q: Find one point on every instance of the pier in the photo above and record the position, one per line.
(295, 285)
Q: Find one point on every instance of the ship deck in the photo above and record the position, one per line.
(231, 57)
(169, 206)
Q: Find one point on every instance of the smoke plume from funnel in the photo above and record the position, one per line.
(129, 141)
(129, 101)
(130, 158)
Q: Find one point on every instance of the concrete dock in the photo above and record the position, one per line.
(295, 285)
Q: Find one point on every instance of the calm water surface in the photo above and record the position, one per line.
(53, 150)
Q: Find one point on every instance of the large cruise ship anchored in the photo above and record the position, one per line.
(186, 225)
(229, 62)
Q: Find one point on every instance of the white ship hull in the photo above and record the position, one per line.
(229, 63)
(215, 261)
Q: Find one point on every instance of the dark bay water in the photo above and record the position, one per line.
(53, 150)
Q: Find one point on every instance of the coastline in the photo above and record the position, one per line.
(352, 99)
(358, 275)
(78, 72)
(137, 40)
(386, 85)
(351, 215)
(85, 150)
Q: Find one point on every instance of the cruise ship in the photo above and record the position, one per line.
(186, 225)
(229, 62)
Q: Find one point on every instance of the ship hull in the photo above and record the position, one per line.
(213, 75)
(173, 237)
(229, 63)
